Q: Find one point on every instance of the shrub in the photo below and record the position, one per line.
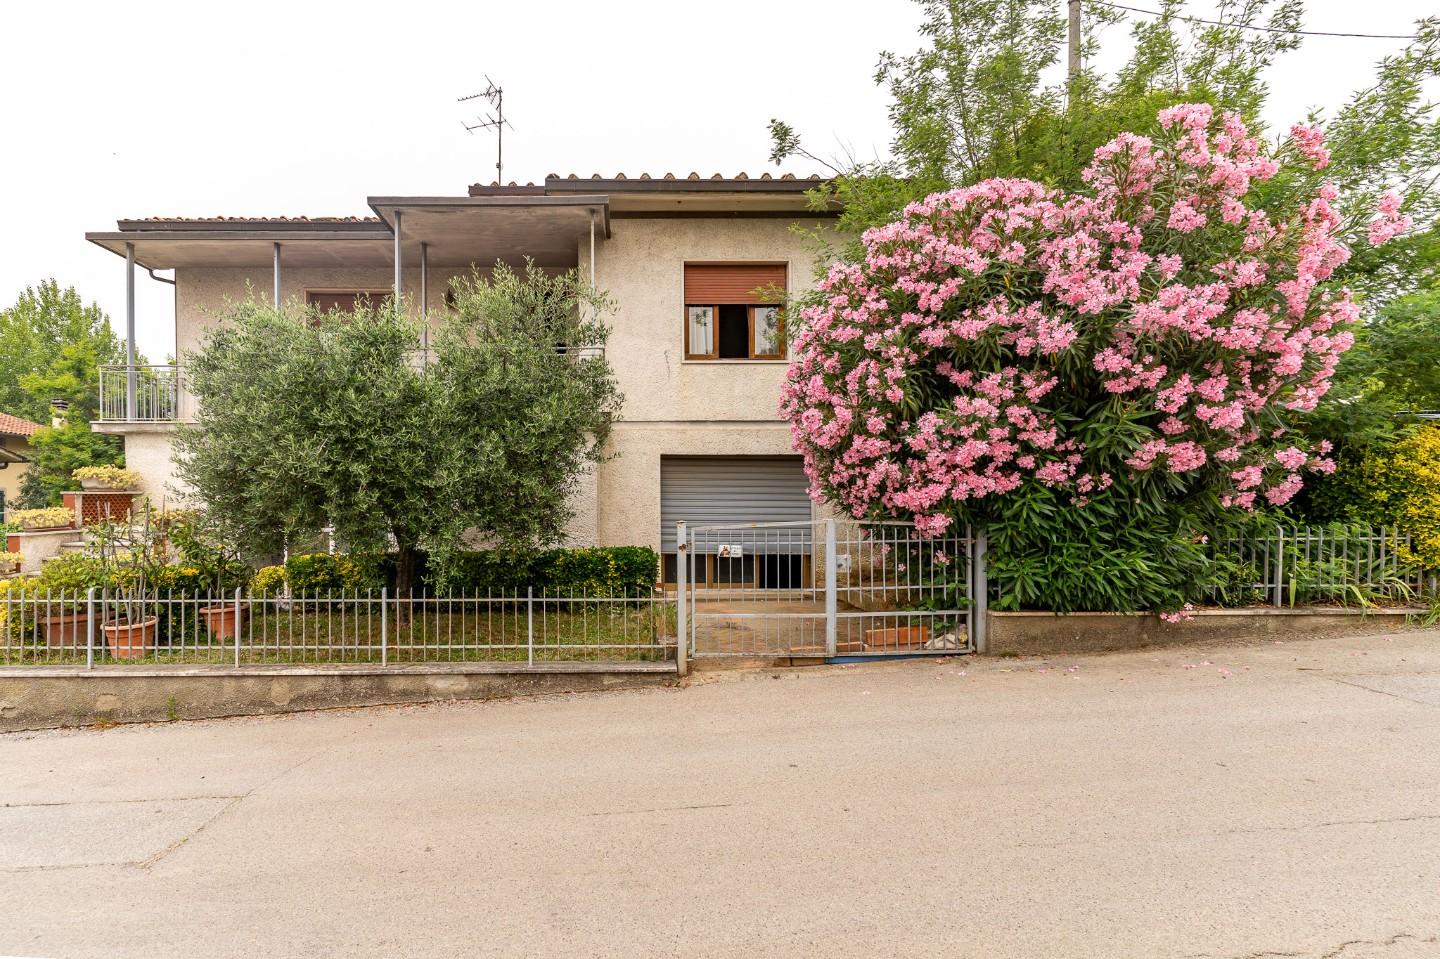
(110, 477)
(586, 571)
(72, 572)
(267, 581)
(44, 518)
(9, 558)
(326, 574)
(1400, 486)
(1089, 375)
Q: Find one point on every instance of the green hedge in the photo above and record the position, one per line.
(593, 571)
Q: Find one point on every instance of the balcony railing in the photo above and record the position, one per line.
(144, 394)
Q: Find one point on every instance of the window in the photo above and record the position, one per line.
(345, 301)
(732, 311)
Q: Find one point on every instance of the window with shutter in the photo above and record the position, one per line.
(733, 311)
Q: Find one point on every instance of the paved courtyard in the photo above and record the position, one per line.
(1274, 800)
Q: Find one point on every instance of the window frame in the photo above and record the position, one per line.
(714, 353)
(376, 297)
(782, 345)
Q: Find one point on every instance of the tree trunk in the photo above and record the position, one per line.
(404, 583)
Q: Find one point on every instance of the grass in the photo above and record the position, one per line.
(334, 634)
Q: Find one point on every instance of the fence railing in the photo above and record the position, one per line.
(1308, 565)
(144, 394)
(96, 627)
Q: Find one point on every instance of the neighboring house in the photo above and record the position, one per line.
(699, 355)
(15, 456)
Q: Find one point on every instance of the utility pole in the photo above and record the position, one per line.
(1074, 72)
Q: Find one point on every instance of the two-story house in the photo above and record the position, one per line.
(697, 342)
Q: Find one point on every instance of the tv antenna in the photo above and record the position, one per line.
(496, 121)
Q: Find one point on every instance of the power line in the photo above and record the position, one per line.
(1246, 26)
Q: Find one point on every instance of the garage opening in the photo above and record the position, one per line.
(736, 490)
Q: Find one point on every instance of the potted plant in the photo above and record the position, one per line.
(106, 478)
(58, 597)
(130, 557)
(204, 547)
(45, 518)
(10, 562)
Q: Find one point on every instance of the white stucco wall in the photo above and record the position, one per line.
(201, 293)
(675, 407)
(149, 454)
(672, 406)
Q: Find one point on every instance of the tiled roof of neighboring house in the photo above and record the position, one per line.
(15, 426)
(256, 219)
(785, 182)
(269, 223)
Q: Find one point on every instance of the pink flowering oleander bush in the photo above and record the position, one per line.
(1088, 375)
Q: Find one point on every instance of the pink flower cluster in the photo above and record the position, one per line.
(960, 359)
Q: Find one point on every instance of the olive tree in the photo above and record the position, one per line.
(308, 419)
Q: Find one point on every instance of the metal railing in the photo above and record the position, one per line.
(1326, 565)
(144, 394)
(97, 627)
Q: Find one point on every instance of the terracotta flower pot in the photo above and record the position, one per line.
(130, 640)
(897, 638)
(65, 630)
(220, 620)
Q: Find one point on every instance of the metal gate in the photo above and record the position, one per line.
(831, 589)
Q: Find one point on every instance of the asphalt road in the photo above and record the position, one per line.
(1275, 800)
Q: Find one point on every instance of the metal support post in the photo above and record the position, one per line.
(425, 302)
(682, 614)
(398, 280)
(130, 378)
(384, 626)
(276, 298)
(1279, 567)
(237, 626)
(530, 624)
(832, 604)
(980, 600)
(90, 628)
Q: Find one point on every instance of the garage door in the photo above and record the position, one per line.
(715, 490)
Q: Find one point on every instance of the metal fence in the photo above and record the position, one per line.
(827, 588)
(1327, 565)
(97, 627)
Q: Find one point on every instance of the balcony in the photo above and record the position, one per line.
(144, 395)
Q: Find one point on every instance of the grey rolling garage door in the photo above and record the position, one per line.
(705, 490)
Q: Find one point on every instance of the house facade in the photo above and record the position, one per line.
(15, 456)
(697, 269)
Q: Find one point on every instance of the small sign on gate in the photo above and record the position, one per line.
(730, 551)
(842, 562)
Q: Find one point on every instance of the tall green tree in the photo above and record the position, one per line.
(975, 101)
(51, 348)
(307, 420)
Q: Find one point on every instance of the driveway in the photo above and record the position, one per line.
(1275, 800)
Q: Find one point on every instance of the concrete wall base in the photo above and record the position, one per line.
(1041, 634)
(33, 697)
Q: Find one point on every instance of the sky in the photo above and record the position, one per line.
(147, 108)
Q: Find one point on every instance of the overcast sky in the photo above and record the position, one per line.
(113, 110)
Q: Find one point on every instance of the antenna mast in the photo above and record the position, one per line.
(495, 95)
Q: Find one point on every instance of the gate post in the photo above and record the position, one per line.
(831, 603)
(682, 614)
(980, 599)
(1279, 566)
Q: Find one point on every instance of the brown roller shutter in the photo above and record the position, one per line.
(712, 283)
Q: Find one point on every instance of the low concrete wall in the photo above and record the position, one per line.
(1038, 634)
(38, 697)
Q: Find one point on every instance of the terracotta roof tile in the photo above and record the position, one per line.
(257, 219)
(15, 426)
